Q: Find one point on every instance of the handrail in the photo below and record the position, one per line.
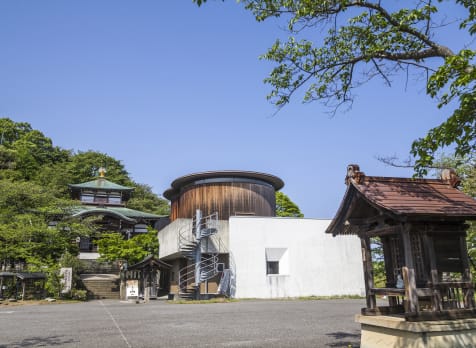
(208, 267)
(188, 244)
(183, 235)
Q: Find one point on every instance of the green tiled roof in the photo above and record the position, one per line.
(121, 212)
(135, 213)
(101, 184)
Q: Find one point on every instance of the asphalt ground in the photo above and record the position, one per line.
(247, 323)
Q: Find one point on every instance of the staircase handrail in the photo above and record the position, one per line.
(186, 276)
(208, 267)
(187, 231)
(184, 235)
(188, 243)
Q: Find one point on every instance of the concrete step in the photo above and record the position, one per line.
(102, 286)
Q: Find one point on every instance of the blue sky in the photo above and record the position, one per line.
(172, 89)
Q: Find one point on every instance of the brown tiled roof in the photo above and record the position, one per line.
(401, 198)
(406, 196)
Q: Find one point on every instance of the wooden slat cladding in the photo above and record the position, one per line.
(228, 192)
(228, 199)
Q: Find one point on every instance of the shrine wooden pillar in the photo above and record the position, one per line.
(468, 293)
(368, 272)
(431, 256)
(408, 271)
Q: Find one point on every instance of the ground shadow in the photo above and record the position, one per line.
(344, 339)
(41, 342)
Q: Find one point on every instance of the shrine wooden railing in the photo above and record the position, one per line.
(455, 294)
(443, 300)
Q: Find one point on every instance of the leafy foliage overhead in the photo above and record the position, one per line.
(337, 46)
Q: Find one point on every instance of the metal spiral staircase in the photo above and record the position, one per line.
(193, 244)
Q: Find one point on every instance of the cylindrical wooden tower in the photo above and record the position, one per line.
(228, 192)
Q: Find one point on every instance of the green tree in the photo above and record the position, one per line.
(26, 150)
(26, 154)
(11, 131)
(26, 237)
(378, 263)
(34, 175)
(145, 200)
(113, 246)
(82, 167)
(286, 207)
(354, 41)
(466, 170)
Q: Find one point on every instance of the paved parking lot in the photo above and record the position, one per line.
(250, 323)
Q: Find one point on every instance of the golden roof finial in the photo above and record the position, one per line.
(102, 172)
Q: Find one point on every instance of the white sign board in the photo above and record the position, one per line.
(66, 274)
(132, 288)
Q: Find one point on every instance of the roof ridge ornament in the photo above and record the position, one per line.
(450, 176)
(354, 174)
(102, 172)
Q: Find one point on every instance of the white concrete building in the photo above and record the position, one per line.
(275, 257)
(235, 245)
(293, 257)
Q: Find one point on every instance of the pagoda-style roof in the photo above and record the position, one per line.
(400, 199)
(126, 214)
(101, 184)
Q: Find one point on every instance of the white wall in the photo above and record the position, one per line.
(315, 263)
(168, 238)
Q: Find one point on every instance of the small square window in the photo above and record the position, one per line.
(272, 267)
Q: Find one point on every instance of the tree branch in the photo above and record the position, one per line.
(442, 50)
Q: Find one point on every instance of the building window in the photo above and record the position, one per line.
(100, 199)
(272, 267)
(115, 200)
(87, 198)
(277, 261)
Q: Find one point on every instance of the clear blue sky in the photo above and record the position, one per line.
(172, 89)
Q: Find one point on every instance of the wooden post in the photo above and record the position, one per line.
(146, 274)
(368, 272)
(122, 286)
(411, 303)
(468, 294)
(430, 252)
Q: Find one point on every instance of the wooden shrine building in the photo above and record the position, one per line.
(421, 225)
(23, 285)
(151, 276)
